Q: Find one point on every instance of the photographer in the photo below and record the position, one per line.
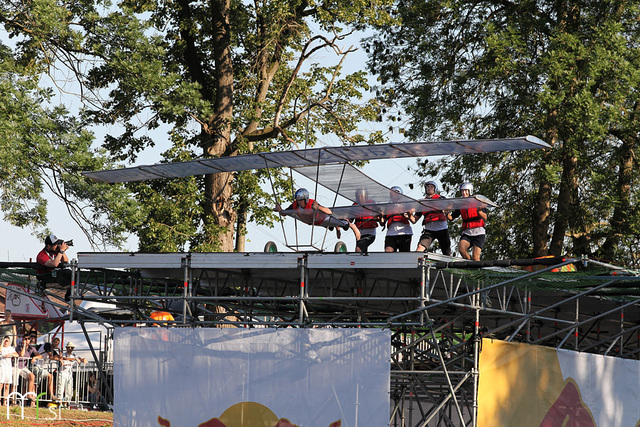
(53, 259)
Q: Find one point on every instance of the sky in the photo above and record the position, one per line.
(22, 246)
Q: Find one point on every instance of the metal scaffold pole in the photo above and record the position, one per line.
(303, 276)
(477, 341)
(185, 288)
(437, 308)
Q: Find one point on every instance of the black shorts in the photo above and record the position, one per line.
(477, 241)
(365, 241)
(400, 243)
(442, 236)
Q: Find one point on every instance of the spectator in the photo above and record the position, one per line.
(7, 351)
(8, 327)
(53, 259)
(50, 353)
(95, 396)
(27, 353)
(65, 374)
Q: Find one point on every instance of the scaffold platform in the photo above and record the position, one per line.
(439, 308)
(381, 289)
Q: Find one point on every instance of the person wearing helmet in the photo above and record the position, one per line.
(434, 224)
(366, 224)
(473, 232)
(311, 212)
(399, 232)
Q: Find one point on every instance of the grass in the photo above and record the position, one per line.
(63, 418)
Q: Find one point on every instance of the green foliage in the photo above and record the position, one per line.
(170, 212)
(226, 78)
(45, 149)
(564, 71)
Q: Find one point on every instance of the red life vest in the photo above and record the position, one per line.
(471, 218)
(396, 218)
(433, 215)
(366, 221)
(306, 214)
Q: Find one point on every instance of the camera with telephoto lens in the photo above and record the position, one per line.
(67, 242)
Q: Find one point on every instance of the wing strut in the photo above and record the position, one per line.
(275, 197)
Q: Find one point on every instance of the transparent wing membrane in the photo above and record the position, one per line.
(345, 180)
(315, 156)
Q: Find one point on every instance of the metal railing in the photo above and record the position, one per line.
(66, 382)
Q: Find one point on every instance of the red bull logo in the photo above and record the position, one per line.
(569, 410)
(246, 414)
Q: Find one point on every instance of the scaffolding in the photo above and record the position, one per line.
(438, 308)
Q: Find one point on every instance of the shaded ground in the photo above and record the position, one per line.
(64, 418)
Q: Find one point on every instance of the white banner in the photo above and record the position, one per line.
(251, 377)
(528, 385)
(607, 386)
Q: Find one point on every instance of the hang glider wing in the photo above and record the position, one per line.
(315, 156)
(346, 179)
(357, 211)
(389, 208)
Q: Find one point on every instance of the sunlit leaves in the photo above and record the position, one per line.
(45, 149)
(563, 71)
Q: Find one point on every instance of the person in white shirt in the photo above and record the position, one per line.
(65, 374)
(434, 224)
(49, 363)
(7, 352)
(399, 232)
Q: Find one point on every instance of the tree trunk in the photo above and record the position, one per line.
(566, 202)
(619, 218)
(542, 215)
(540, 229)
(219, 215)
(241, 228)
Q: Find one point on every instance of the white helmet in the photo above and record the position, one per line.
(396, 189)
(302, 194)
(467, 186)
(431, 183)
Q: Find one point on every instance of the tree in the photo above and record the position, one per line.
(564, 71)
(227, 77)
(44, 149)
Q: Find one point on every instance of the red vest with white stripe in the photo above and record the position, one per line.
(433, 215)
(366, 221)
(396, 218)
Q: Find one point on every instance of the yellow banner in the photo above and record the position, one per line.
(523, 385)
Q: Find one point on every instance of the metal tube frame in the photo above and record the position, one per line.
(437, 318)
